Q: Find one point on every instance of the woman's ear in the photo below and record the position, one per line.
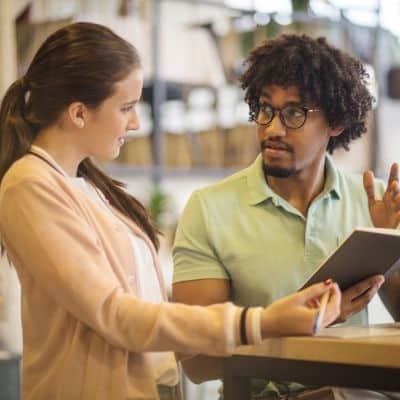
(76, 112)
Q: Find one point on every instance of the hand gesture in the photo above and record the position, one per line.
(355, 298)
(384, 213)
(296, 315)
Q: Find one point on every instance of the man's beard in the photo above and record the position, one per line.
(278, 172)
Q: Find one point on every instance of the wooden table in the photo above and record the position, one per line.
(360, 357)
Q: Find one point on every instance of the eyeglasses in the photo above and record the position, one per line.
(291, 116)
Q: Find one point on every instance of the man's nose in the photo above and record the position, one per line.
(276, 127)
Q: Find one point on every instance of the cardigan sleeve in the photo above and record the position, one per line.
(46, 237)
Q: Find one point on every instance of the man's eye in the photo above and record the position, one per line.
(294, 112)
(266, 109)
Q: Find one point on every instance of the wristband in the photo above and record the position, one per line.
(243, 336)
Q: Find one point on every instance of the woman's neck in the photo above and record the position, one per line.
(61, 146)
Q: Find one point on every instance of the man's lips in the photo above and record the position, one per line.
(278, 146)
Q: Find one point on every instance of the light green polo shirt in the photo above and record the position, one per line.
(239, 229)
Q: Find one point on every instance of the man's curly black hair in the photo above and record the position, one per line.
(326, 77)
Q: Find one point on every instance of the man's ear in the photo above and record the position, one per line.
(335, 131)
(77, 114)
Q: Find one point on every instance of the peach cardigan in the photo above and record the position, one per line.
(85, 333)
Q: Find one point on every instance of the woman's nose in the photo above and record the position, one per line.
(133, 123)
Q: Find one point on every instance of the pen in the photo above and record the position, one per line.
(321, 312)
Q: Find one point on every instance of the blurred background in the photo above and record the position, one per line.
(194, 122)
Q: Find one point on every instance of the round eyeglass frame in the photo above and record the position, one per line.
(275, 110)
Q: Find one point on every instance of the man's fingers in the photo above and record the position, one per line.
(396, 197)
(394, 174)
(362, 301)
(393, 187)
(362, 287)
(393, 190)
(368, 180)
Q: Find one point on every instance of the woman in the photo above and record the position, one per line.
(96, 321)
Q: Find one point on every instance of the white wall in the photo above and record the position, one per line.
(7, 45)
(389, 139)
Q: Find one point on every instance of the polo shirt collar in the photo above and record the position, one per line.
(259, 191)
(332, 186)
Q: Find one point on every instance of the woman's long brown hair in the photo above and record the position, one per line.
(80, 62)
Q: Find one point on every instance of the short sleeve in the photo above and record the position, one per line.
(193, 254)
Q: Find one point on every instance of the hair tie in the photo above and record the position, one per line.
(25, 88)
(23, 82)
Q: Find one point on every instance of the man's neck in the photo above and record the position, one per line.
(300, 189)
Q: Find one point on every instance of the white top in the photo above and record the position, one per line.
(163, 363)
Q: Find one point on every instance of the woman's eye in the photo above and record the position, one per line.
(126, 109)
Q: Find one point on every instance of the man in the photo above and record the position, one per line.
(257, 235)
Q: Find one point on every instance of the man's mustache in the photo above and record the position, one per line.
(276, 144)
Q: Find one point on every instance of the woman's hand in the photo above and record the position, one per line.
(297, 314)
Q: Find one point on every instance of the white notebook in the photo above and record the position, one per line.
(377, 330)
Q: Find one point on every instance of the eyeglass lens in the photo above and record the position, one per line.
(291, 116)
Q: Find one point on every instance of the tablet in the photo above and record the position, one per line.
(366, 252)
